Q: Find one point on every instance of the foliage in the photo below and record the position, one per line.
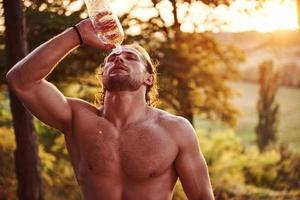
(194, 71)
(5, 115)
(8, 181)
(224, 152)
(239, 172)
(243, 171)
(288, 170)
(267, 107)
(194, 67)
(7, 146)
(56, 170)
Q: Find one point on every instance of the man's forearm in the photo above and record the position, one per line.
(40, 62)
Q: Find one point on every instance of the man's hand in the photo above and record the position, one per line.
(89, 36)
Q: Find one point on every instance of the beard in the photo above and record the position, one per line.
(120, 83)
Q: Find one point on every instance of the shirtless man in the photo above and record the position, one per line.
(125, 149)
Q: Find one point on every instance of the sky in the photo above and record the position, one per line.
(241, 16)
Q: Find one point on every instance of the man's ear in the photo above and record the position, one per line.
(149, 79)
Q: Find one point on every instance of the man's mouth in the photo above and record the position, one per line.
(118, 68)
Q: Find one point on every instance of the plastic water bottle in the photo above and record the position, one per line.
(105, 22)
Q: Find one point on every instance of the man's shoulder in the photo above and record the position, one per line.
(171, 121)
(179, 128)
(78, 105)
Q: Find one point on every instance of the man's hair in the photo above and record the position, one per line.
(151, 95)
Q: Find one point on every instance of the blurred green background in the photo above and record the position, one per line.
(224, 80)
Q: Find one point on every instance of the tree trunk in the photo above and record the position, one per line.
(175, 17)
(189, 116)
(27, 163)
(186, 109)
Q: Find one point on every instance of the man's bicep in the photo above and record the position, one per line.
(192, 169)
(47, 103)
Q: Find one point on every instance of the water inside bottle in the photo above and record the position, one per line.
(109, 29)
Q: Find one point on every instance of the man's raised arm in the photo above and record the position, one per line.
(191, 166)
(27, 77)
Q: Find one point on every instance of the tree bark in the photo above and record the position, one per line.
(27, 164)
(190, 117)
(175, 16)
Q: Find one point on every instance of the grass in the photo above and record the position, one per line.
(289, 115)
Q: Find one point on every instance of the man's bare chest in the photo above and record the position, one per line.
(138, 151)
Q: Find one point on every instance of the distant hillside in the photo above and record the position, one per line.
(283, 47)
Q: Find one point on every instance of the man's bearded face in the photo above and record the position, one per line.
(124, 70)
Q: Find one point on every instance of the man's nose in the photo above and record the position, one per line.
(119, 58)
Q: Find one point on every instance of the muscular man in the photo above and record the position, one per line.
(126, 149)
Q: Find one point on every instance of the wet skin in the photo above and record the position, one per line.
(134, 162)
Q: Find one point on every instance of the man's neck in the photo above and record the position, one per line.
(124, 108)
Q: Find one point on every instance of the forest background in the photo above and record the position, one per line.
(236, 81)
